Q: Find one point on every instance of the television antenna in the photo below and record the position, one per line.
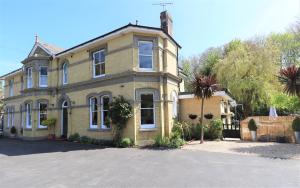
(163, 5)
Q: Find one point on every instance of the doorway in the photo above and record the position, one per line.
(64, 119)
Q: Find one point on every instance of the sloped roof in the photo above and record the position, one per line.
(52, 48)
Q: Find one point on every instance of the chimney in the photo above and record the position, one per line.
(166, 22)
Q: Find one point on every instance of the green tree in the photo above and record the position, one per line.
(203, 87)
(248, 70)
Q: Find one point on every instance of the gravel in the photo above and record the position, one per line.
(263, 149)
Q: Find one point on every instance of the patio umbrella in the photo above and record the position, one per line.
(273, 112)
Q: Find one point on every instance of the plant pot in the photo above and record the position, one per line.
(253, 135)
(297, 137)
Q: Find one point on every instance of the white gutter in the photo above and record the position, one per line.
(217, 93)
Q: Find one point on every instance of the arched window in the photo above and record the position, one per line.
(174, 105)
(93, 113)
(105, 120)
(65, 73)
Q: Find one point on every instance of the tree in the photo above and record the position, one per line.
(248, 70)
(203, 87)
(290, 77)
(120, 112)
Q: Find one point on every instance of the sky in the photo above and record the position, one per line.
(197, 24)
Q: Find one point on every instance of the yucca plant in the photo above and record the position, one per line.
(290, 77)
(204, 88)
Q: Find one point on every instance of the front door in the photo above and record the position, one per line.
(65, 123)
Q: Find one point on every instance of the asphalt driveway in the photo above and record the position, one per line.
(63, 164)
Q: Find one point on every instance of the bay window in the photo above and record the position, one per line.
(105, 120)
(98, 63)
(145, 55)
(29, 77)
(43, 76)
(147, 111)
(93, 112)
(42, 114)
(28, 115)
(11, 88)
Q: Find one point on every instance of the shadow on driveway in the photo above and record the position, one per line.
(281, 151)
(16, 147)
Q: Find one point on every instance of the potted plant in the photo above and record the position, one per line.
(50, 123)
(13, 131)
(208, 116)
(192, 116)
(296, 129)
(252, 127)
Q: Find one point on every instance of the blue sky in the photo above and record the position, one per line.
(198, 24)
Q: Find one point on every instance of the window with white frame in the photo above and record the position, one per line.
(29, 77)
(43, 76)
(99, 63)
(93, 112)
(28, 115)
(65, 73)
(174, 105)
(145, 55)
(147, 111)
(105, 120)
(11, 88)
(42, 114)
(8, 117)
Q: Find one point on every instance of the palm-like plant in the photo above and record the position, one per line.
(290, 77)
(204, 88)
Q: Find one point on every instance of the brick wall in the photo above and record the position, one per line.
(269, 127)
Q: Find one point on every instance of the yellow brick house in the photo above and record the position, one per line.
(76, 85)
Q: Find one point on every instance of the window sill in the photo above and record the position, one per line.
(99, 130)
(42, 128)
(100, 76)
(148, 129)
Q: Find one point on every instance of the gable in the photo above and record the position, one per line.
(39, 51)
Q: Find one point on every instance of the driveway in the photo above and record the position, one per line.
(63, 164)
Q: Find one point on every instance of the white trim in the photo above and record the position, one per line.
(11, 87)
(41, 46)
(116, 34)
(145, 69)
(91, 113)
(28, 123)
(147, 126)
(65, 78)
(27, 78)
(8, 117)
(174, 104)
(39, 116)
(217, 93)
(103, 126)
(43, 76)
(99, 63)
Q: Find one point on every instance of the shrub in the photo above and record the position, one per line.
(13, 130)
(85, 140)
(214, 130)
(120, 112)
(252, 125)
(74, 137)
(126, 142)
(296, 124)
(166, 142)
(50, 123)
(196, 131)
